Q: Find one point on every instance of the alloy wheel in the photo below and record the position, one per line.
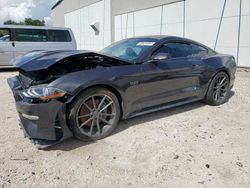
(96, 115)
(220, 88)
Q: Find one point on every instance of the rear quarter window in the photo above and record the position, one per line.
(198, 50)
(59, 36)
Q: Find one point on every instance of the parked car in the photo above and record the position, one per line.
(18, 40)
(84, 93)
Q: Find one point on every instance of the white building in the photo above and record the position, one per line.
(223, 25)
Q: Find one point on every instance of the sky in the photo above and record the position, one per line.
(18, 10)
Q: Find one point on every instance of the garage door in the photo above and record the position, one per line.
(80, 20)
(195, 19)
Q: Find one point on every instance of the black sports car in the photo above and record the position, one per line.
(82, 93)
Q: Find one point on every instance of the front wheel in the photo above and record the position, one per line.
(218, 91)
(94, 114)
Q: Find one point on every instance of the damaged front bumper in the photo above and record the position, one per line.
(43, 123)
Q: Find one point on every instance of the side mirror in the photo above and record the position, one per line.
(160, 57)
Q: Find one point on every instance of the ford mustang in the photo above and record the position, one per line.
(85, 94)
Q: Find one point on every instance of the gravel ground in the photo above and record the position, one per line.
(195, 145)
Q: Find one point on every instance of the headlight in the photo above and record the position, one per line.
(43, 92)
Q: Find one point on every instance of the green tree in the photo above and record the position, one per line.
(27, 21)
(36, 22)
(10, 22)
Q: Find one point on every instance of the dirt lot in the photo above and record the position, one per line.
(195, 145)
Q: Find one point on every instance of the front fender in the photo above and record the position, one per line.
(75, 83)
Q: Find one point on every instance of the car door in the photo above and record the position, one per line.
(172, 79)
(27, 40)
(6, 47)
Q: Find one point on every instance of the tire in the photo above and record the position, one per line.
(94, 114)
(220, 85)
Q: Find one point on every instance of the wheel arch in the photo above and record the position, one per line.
(217, 72)
(106, 86)
(223, 69)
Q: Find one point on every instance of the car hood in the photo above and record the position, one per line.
(39, 60)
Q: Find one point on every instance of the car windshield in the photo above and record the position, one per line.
(129, 49)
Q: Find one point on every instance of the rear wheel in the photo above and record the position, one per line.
(94, 114)
(218, 91)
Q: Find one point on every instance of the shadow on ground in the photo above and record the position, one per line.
(73, 143)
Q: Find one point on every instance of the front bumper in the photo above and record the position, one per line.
(44, 123)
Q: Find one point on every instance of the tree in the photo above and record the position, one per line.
(36, 22)
(10, 22)
(27, 21)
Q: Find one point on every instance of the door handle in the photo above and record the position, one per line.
(13, 44)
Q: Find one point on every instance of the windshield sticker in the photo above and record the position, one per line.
(145, 43)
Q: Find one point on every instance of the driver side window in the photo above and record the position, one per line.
(175, 50)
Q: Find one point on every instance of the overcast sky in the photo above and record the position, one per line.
(18, 10)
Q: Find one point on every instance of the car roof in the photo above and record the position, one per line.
(151, 36)
(169, 37)
(165, 37)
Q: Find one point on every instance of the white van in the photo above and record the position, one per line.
(17, 40)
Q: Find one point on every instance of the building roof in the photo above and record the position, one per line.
(57, 3)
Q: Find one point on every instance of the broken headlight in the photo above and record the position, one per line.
(43, 92)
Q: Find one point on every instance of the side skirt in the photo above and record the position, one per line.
(163, 107)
